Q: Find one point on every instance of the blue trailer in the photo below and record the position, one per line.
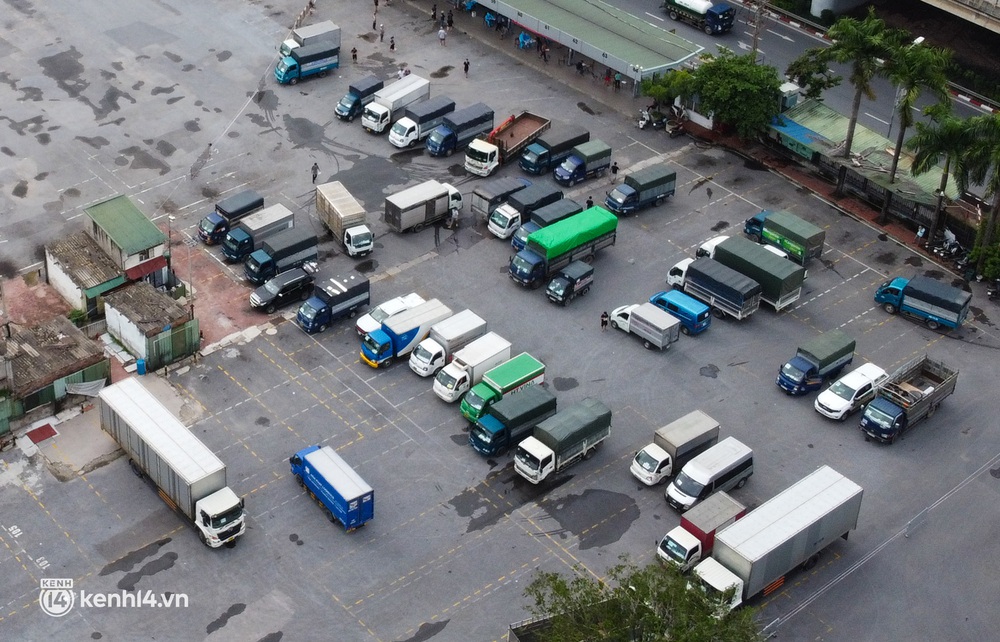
(344, 496)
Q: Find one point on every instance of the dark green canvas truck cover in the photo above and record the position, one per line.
(777, 276)
(573, 424)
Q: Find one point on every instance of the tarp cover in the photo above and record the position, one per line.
(555, 212)
(571, 425)
(937, 293)
(795, 228)
(724, 282)
(559, 238)
(777, 276)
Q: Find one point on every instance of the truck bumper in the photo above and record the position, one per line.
(364, 357)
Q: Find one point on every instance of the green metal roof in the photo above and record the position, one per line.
(871, 150)
(125, 225)
(604, 28)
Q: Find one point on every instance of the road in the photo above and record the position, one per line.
(456, 537)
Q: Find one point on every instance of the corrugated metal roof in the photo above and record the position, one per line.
(47, 352)
(84, 260)
(823, 130)
(127, 227)
(148, 308)
(619, 34)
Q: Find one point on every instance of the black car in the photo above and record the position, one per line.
(293, 285)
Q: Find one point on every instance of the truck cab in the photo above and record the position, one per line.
(680, 548)
(478, 400)
(359, 240)
(504, 221)
(520, 237)
(721, 585)
(573, 280)
(651, 465)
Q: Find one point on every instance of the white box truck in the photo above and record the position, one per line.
(674, 445)
(654, 326)
(421, 205)
(184, 470)
(469, 365)
(445, 339)
(344, 216)
(390, 101)
(753, 554)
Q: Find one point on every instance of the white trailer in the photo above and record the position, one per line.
(344, 216)
(186, 472)
(469, 365)
(445, 339)
(390, 101)
(654, 326)
(753, 554)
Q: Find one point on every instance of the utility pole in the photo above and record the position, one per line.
(758, 24)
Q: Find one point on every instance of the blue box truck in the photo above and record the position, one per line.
(344, 496)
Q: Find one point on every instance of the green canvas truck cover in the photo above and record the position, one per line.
(795, 228)
(571, 425)
(828, 347)
(559, 238)
(777, 276)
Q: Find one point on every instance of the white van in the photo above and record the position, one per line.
(724, 466)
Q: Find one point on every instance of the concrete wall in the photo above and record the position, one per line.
(62, 283)
(125, 332)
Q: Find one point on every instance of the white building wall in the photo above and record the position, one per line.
(125, 332)
(62, 283)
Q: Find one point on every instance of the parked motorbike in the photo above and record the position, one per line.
(993, 290)
(651, 119)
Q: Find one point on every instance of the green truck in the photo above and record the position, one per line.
(799, 238)
(507, 378)
(780, 280)
(552, 248)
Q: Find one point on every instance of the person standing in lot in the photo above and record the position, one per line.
(451, 20)
(354, 54)
(614, 172)
(465, 65)
(392, 43)
(381, 33)
(442, 35)
(590, 202)
(315, 172)
(604, 321)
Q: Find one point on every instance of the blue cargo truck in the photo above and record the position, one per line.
(460, 128)
(543, 217)
(401, 333)
(303, 62)
(552, 147)
(650, 186)
(815, 361)
(359, 93)
(925, 299)
(337, 299)
(588, 160)
(213, 228)
(344, 496)
(509, 420)
(285, 250)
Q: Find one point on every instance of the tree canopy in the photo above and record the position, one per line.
(738, 92)
(634, 605)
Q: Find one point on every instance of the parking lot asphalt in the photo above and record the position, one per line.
(456, 537)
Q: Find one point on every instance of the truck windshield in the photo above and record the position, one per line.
(399, 129)
(436, 137)
(228, 517)
(792, 373)
(446, 380)
(308, 311)
(646, 461)
(422, 354)
(481, 434)
(371, 344)
(879, 417)
(674, 551)
(617, 196)
(474, 401)
(283, 66)
(527, 459)
(347, 101)
(530, 157)
(478, 155)
(500, 219)
(206, 225)
(521, 235)
(842, 390)
(230, 244)
(371, 113)
(252, 265)
(558, 287)
(521, 266)
(688, 486)
(569, 165)
(361, 239)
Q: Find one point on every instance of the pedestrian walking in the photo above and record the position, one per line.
(604, 321)
(545, 54)
(444, 21)
(434, 12)
(618, 81)
(354, 54)
(465, 65)
(381, 33)
(451, 20)
(607, 77)
(442, 34)
(376, 5)
(374, 20)
(614, 172)
(392, 43)
(590, 202)
(315, 172)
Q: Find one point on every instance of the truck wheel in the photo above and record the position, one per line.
(293, 81)
(708, 30)
(135, 468)
(232, 543)
(298, 480)
(584, 291)
(932, 324)
(351, 119)
(587, 454)
(588, 259)
(810, 563)
(388, 362)
(417, 228)
(931, 411)
(614, 324)
(673, 15)
(658, 202)
(269, 309)
(741, 483)
(322, 327)
(353, 313)
(322, 74)
(890, 308)
(684, 330)
(449, 152)
(647, 345)
(718, 313)
(201, 536)
(755, 238)
(329, 515)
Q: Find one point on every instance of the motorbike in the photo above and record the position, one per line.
(651, 119)
(993, 291)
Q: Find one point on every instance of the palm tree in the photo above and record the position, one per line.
(913, 69)
(982, 164)
(946, 138)
(865, 44)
